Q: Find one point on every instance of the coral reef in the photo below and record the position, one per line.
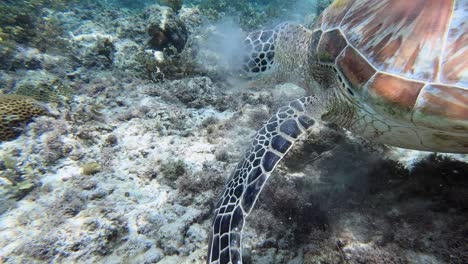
(15, 112)
(169, 31)
(173, 169)
(27, 22)
(18, 181)
(253, 14)
(45, 90)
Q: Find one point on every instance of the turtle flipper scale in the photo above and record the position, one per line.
(270, 145)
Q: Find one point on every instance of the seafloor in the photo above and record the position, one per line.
(146, 123)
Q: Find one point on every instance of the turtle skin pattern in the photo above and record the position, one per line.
(269, 146)
(259, 47)
(260, 52)
(396, 72)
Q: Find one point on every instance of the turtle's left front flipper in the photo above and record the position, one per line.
(271, 143)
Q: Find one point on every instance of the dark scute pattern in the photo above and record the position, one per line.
(296, 105)
(210, 242)
(306, 121)
(235, 256)
(242, 190)
(258, 47)
(229, 208)
(237, 219)
(290, 128)
(331, 45)
(217, 223)
(252, 157)
(284, 109)
(256, 162)
(255, 34)
(235, 239)
(224, 241)
(224, 257)
(261, 180)
(260, 152)
(253, 175)
(215, 251)
(226, 201)
(315, 40)
(222, 210)
(280, 144)
(266, 35)
(249, 197)
(270, 55)
(225, 222)
(238, 191)
(269, 161)
(218, 204)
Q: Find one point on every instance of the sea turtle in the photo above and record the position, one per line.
(391, 70)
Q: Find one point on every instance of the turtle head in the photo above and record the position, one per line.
(259, 56)
(281, 52)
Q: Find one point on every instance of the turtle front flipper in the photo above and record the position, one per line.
(270, 145)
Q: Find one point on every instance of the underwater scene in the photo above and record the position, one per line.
(247, 131)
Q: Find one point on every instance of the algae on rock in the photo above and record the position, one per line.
(91, 168)
(173, 169)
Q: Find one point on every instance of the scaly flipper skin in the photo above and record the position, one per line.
(259, 52)
(270, 145)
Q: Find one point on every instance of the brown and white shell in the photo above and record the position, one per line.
(406, 56)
